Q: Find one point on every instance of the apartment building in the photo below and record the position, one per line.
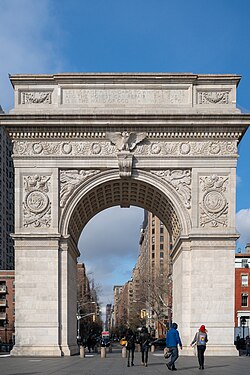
(6, 202)
(242, 293)
(7, 306)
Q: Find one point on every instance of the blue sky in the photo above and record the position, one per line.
(198, 36)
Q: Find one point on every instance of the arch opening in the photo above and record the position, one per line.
(123, 193)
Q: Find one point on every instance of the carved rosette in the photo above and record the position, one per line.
(70, 180)
(149, 148)
(180, 179)
(213, 201)
(36, 205)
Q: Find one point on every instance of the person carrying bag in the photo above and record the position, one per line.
(200, 339)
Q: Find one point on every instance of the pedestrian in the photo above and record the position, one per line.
(200, 339)
(172, 342)
(248, 346)
(130, 346)
(144, 343)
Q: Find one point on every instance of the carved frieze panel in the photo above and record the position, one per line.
(144, 147)
(70, 180)
(213, 97)
(36, 97)
(36, 204)
(213, 201)
(180, 179)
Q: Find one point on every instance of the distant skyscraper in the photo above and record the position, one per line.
(6, 202)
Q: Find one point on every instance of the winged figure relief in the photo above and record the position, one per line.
(126, 141)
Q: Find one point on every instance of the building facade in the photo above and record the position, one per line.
(7, 306)
(242, 293)
(6, 202)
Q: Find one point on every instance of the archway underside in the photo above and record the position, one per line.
(124, 193)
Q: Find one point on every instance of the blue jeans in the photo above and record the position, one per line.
(174, 355)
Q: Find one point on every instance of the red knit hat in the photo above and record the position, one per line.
(202, 328)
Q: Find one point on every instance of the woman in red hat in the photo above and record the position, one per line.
(200, 339)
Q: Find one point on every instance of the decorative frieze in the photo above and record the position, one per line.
(213, 97)
(36, 97)
(71, 179)
(180, 179)
(144, 147)
(213, 201)
(36, 204)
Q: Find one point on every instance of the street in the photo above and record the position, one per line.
(114, 364)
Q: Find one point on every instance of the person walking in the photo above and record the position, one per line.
(130, 346)
(144, 343)
(200, 339)
(172, 342)
(248, 346)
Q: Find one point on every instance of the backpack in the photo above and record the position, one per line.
(202, 338)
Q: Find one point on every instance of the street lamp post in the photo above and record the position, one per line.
(80, 316)
(243, 323)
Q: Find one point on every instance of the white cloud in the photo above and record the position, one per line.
(243, 225)
(109, 247)
(28, 42)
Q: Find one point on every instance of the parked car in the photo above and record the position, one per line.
(159, 343)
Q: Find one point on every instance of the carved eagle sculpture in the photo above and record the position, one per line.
(126, 141)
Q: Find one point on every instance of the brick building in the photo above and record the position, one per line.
(242, 292)
(7, 306)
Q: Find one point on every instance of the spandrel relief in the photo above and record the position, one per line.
(70, 180)
(180, 179)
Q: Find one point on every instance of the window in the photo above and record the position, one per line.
(153, 239)
(153, 230)
(244, 263)
(161, 238)
(244, 280)
(161, 255)
(244, 300)
(161, 246)
(153, 255)
(153, 248)
(161, 230)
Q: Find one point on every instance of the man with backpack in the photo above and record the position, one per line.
(200, 339)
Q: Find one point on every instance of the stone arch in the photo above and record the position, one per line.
(107, 189)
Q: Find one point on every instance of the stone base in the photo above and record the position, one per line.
(44, 351)
(213, 350)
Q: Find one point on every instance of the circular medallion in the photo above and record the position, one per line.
(155, 148)
(37, 201)
(214, 201)
(37, 148)
(66, 148)
(231, 147)
(214, 148)
(96, 148)
(184, 148)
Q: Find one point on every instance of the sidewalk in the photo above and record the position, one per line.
(114, 364)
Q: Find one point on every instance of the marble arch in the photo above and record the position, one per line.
(86, 141)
